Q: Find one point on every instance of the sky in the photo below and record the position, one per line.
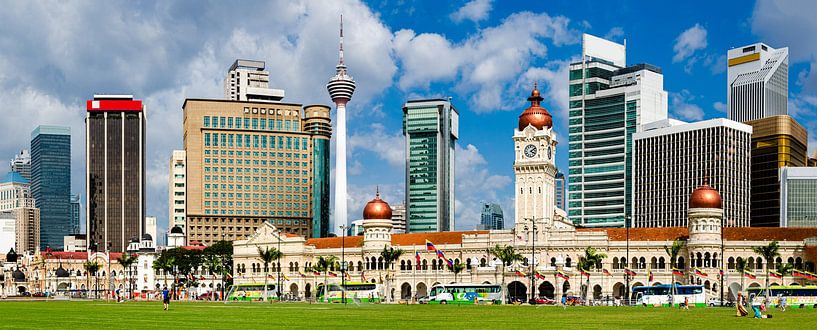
(484, 54)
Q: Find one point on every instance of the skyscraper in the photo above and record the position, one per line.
(51, 182)
(318, 123)
(247, 80)
(177, 191)
(798, 193)
(431, 128)
(777, 142)
(115, 175)
(672, 158)
(22, 164)
(398, 218)
(560, 194)
(491, 217)
(341, 87)
(16, 199)
(75, 213)
(758, 82)
(609, 101)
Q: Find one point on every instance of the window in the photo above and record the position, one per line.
(206, 121)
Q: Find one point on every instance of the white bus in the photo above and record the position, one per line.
(462, 293)
(661, 295)
(355, 292)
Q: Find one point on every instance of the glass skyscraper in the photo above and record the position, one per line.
(431, 131)
(318, 123)
(75, 214)
(798, 193)
(51, 182)
(492, 217)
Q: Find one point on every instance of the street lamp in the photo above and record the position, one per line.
(627, 224)
(278, 267)
(722, 274)
(223, 272)
(343, 263)
(532, 230)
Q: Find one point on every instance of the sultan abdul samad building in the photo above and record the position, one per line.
(558, 244)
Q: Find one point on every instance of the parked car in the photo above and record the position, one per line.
(208, 296)
(715, 302)
(542, 301)
(422, 300)
(574, 301)
(38, 294)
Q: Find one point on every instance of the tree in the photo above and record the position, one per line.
(783, 270)
(591, 260)
(673, 252)
(323, 265)
(267, 256)
(457, 268)
(390, 255)
(165, 264)
(223, 250)
(213, 263)
(126, 260)
(91, 267)
(507, 254)
(768, 252)
(740, 266)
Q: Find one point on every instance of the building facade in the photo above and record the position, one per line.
(671, 159)
(798, 197)
(247, 80)
(609, 101)
(398, 218)
(115, 175)
(16, 199)
(8, 231)
(777, 142)
(177, 191)
(247, 163)
(561, 191)
(758, 82)
(22, 164)
(431, 130)
(28, 231)
(491, 217)
(318, 123)
(76, 211)
(51, 182)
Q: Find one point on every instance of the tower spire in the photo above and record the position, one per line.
(340, 62)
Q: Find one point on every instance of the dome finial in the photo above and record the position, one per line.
(377, 192)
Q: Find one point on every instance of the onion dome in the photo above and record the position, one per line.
(11, 256)
(147, 237)
(18, 276)
(705, 197)
(176, 230)
(134, 240)
(377, 209)
(535, 115)
(61, 272)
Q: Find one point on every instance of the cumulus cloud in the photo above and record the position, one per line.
(555, 88)
(683, 108)
(720, 106)
(614, 33)
(688, 42)
(475, 185)
(475, 10)
(386, 146)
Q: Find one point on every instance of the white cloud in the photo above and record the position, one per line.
(683, 108)
(475, 10)
(720, 106)
(555, 89)
(614, 33)
(688, 42)
(475, 185)
(386, 146)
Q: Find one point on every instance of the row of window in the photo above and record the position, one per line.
(255, 141)
(252, 123)
(256, 212)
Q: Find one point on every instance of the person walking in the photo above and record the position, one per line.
(686, 303)
(782, 302)
(166, 298)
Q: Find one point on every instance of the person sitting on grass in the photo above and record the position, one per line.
(758, 315)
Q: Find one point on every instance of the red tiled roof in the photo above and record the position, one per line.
(641, 234)
(75, 255)
(729, 233)
(194, 247)
(335, 242)
(450, 237)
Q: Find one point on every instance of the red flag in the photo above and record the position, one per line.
(417, 259)
(606, 272)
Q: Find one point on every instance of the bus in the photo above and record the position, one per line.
(463, 293)
(660, 295)
(796, 296)
(355, 292)
(250, 292)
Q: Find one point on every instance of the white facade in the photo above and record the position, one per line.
(798, 197)
(7, 232)
(398, 218)
(150, 227)
(15, 194)
(74, 243)
(177, 192)
(248, 81)
(22, 163)
(535, 170)
(757, 78)
(671, 159)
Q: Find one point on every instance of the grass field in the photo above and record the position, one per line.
(140, 315)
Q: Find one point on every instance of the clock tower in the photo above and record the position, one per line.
(535, 163)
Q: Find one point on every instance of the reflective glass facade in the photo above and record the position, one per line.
(798, 197)
(51, 183)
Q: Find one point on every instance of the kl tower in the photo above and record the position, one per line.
(340, 87)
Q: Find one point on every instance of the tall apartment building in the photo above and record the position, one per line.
(758, 82)
(431, 128)
(17, 200)
(609, 101)
(76, 209)
(247, 80)
(318, 124)
(247, 163)
(150, 228)
(177, 191)
(560, 194)
(115, 174)
(22, 164)
(7, 231)
(51, 182)
(672, 158)
(777, 142)
(491, 217)
(798, 197)
(398, 218)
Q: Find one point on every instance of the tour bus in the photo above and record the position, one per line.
(796, 296)
(461, 293)
(355, 292)
(660, 295)
(250, 292)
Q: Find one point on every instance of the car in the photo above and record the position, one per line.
(715, 302)
(38, 294)
(542, 301)
(574, 301)
(208, 296)
(422, 300)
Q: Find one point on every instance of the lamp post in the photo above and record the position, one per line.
(110, 278)
(278, 267)
(722, 274)
(343, 263)
(223, 272)
(627, 259)
(532, 230)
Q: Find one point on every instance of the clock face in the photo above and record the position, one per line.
(550, 152)
(530, 151)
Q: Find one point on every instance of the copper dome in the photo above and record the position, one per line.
(535, 115)
(705, 197)
(377, 209)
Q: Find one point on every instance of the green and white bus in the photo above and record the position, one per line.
(796, 296)
(464, 293)
(250, 292)
(355, 292)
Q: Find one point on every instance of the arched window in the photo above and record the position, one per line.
(402, 265)
(715, 261)
(291, 266)
(759, 263)
(662, 264)
(568, 261)
(380, 263)
(615, 262)
(707, 259)
(634, 263)
(483, 262)
(425, 264)
(699, 260)
(730, 263)
(680, 263)
(791, 260)
(642, 263)
(654, 263)
(434, 264)
(408, 265)
(359, 265)
(296, 266)
(553, 262)
(468, 263)
(525, 261)
(751, 263)
(798, 263)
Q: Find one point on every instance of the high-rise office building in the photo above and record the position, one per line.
(22, 164)
(758, 82)
(491, 217)
(318, 123)
(115, 174)
(609, 101)
(15, 192)
(431, 129)
(398, 218)
(17, 200)
(340, 87)
(150, 228)
(672, 158)
(777, 142)
(177, 191)
(798, 197)
(812, 161)
(247, 163)
(247, 80)
(76, 209)
(561, 193)
(7, 231)
(51, 182)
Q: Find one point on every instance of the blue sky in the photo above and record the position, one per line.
(485, 55)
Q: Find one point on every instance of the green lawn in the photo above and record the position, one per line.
(131, 315)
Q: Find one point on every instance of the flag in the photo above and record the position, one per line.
(606, 272)
(699, 272)
(649, 273)
(562, 275)
(417, 259)
(270, 277)
(347, 276)
(540, 276)
(584, 273)
(677, 272)
(721, 271)
(333, 274)
(229, 275)
(775, 274)
(803, 274)
(301, 273)
(201, 278)
(520, 273)
(450, 262)
(363, 276)
(749, 275)
(285, 276)
(430, 246)
(630, 272)
(316, 273)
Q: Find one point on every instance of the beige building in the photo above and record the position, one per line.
(248, 163)
(177, 191)
(16, 198)
(27, 231)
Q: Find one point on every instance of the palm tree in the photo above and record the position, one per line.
(673, 252)
(324, 264)
(213, 263)
(740, 266)
(390, 255)
(126, 260)
(91, 267)
(267, 256)
(768, 252)
(457, 268)
(588, 262)
(164, 264)
(507, 254)
(783, 270)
